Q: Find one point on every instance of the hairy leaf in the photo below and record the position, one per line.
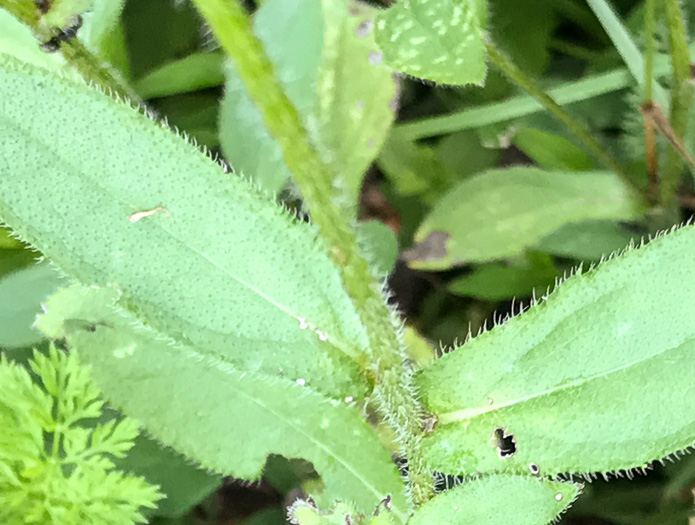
(113, 198)
(208, 410)
(501, 213)
(498, 500)
(595, 378)
(438, 40)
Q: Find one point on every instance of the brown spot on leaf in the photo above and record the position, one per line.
(431, 248)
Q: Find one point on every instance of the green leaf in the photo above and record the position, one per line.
(183, 484)
(588, 240)
(380, 245)
(196, 71)
(551, 151)
(200, 255)
(593, 379)
(208, 410)
(437, 40)
(17, 40)
(501, 213)
(295, 51)
(497, 281)
(52, 469)
(21, 295)
(346, 103)
(357, 100)
(102, 32)
(498, 500)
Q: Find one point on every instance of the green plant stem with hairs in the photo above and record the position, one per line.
(74, 51)
(394, 393)
(507, 67)
(681, 96)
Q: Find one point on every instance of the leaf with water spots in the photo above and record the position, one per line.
(498, 500)
(598, 377)
(115, 198)
(225, 419)
(437, 40)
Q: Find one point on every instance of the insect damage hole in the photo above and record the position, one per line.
(505, 443)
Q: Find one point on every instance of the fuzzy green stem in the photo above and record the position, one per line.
(75, 53)
(394, 393)
(681, 97)
(508, 68)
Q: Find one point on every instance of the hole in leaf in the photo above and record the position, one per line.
(534, 469)
(506, 443)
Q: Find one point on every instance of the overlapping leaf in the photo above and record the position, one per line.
(498, 500)
(223, 418)
(596, 378)
(501, 213)
(113, 198)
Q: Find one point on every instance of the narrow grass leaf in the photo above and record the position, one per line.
(596, 378)
(194, 72)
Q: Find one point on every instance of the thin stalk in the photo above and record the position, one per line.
(75, 53)
(523, 105)
(580, 130)
(394, 393)
(651, 153)
(681, 96)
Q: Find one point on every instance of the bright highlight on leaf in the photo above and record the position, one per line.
(493, 500)
(597, 378)
(437, 40)
(52, 468)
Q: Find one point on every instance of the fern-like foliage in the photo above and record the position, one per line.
(56, 467)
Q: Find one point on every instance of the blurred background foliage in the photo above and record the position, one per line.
(425, 169)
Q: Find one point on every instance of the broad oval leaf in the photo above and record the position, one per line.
(596, 378)
(498, 500)
(113, 198)
(225, 419)
(437, 40)
(501, 213)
